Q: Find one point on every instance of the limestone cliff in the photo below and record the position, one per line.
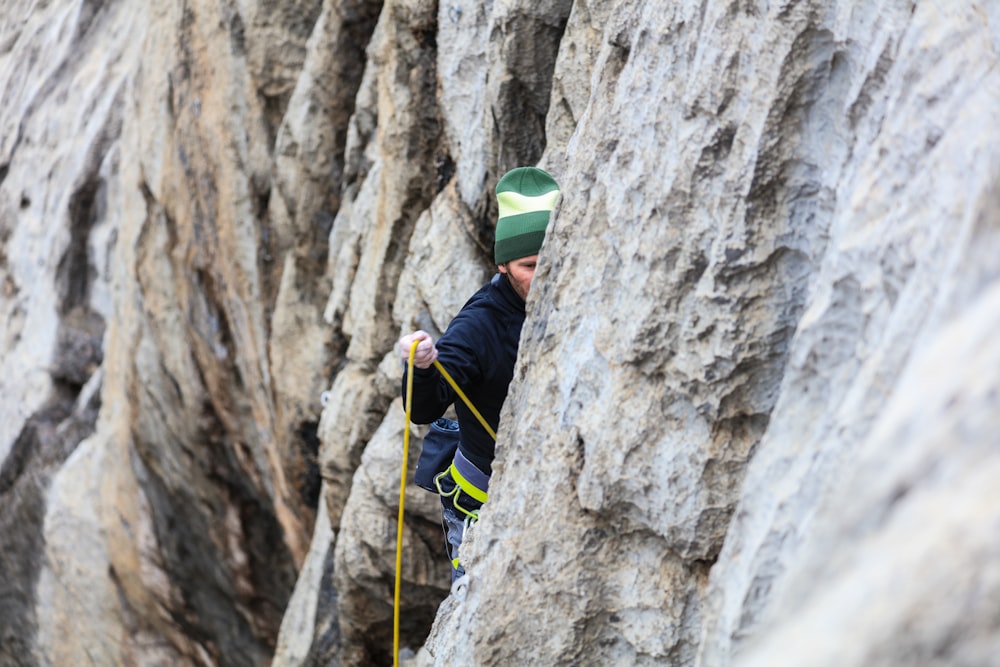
(755, 412)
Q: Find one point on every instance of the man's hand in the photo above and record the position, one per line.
(426, 352)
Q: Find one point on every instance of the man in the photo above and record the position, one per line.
(479, 349)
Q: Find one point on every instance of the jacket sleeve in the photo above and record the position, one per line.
(459, 353)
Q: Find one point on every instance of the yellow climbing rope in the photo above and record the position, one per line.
(402, 498)
(402, 481)
(465, 399)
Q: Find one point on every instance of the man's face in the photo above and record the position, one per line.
(520, 272)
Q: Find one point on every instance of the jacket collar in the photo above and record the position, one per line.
(507, 293)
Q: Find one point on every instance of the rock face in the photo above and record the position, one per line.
(755, 411)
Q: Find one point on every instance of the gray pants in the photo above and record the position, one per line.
(453, 523)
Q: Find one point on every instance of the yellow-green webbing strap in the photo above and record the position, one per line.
(466, 485)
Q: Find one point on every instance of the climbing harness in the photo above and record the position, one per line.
(468, 479)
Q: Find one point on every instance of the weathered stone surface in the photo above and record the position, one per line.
(899, 265)
(308, 629)
(900, 567)
(753, 415)
(767, 205)
(131, 175)
(61, 117)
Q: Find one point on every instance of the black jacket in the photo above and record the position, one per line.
(479, 350)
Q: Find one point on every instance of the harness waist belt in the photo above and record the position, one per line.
(469, 478)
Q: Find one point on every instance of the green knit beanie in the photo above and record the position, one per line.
(525, 197)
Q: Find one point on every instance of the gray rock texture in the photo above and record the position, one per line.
(755, 413)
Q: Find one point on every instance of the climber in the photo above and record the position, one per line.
(479, 349)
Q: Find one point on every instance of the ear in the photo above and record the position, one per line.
(502, 268)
